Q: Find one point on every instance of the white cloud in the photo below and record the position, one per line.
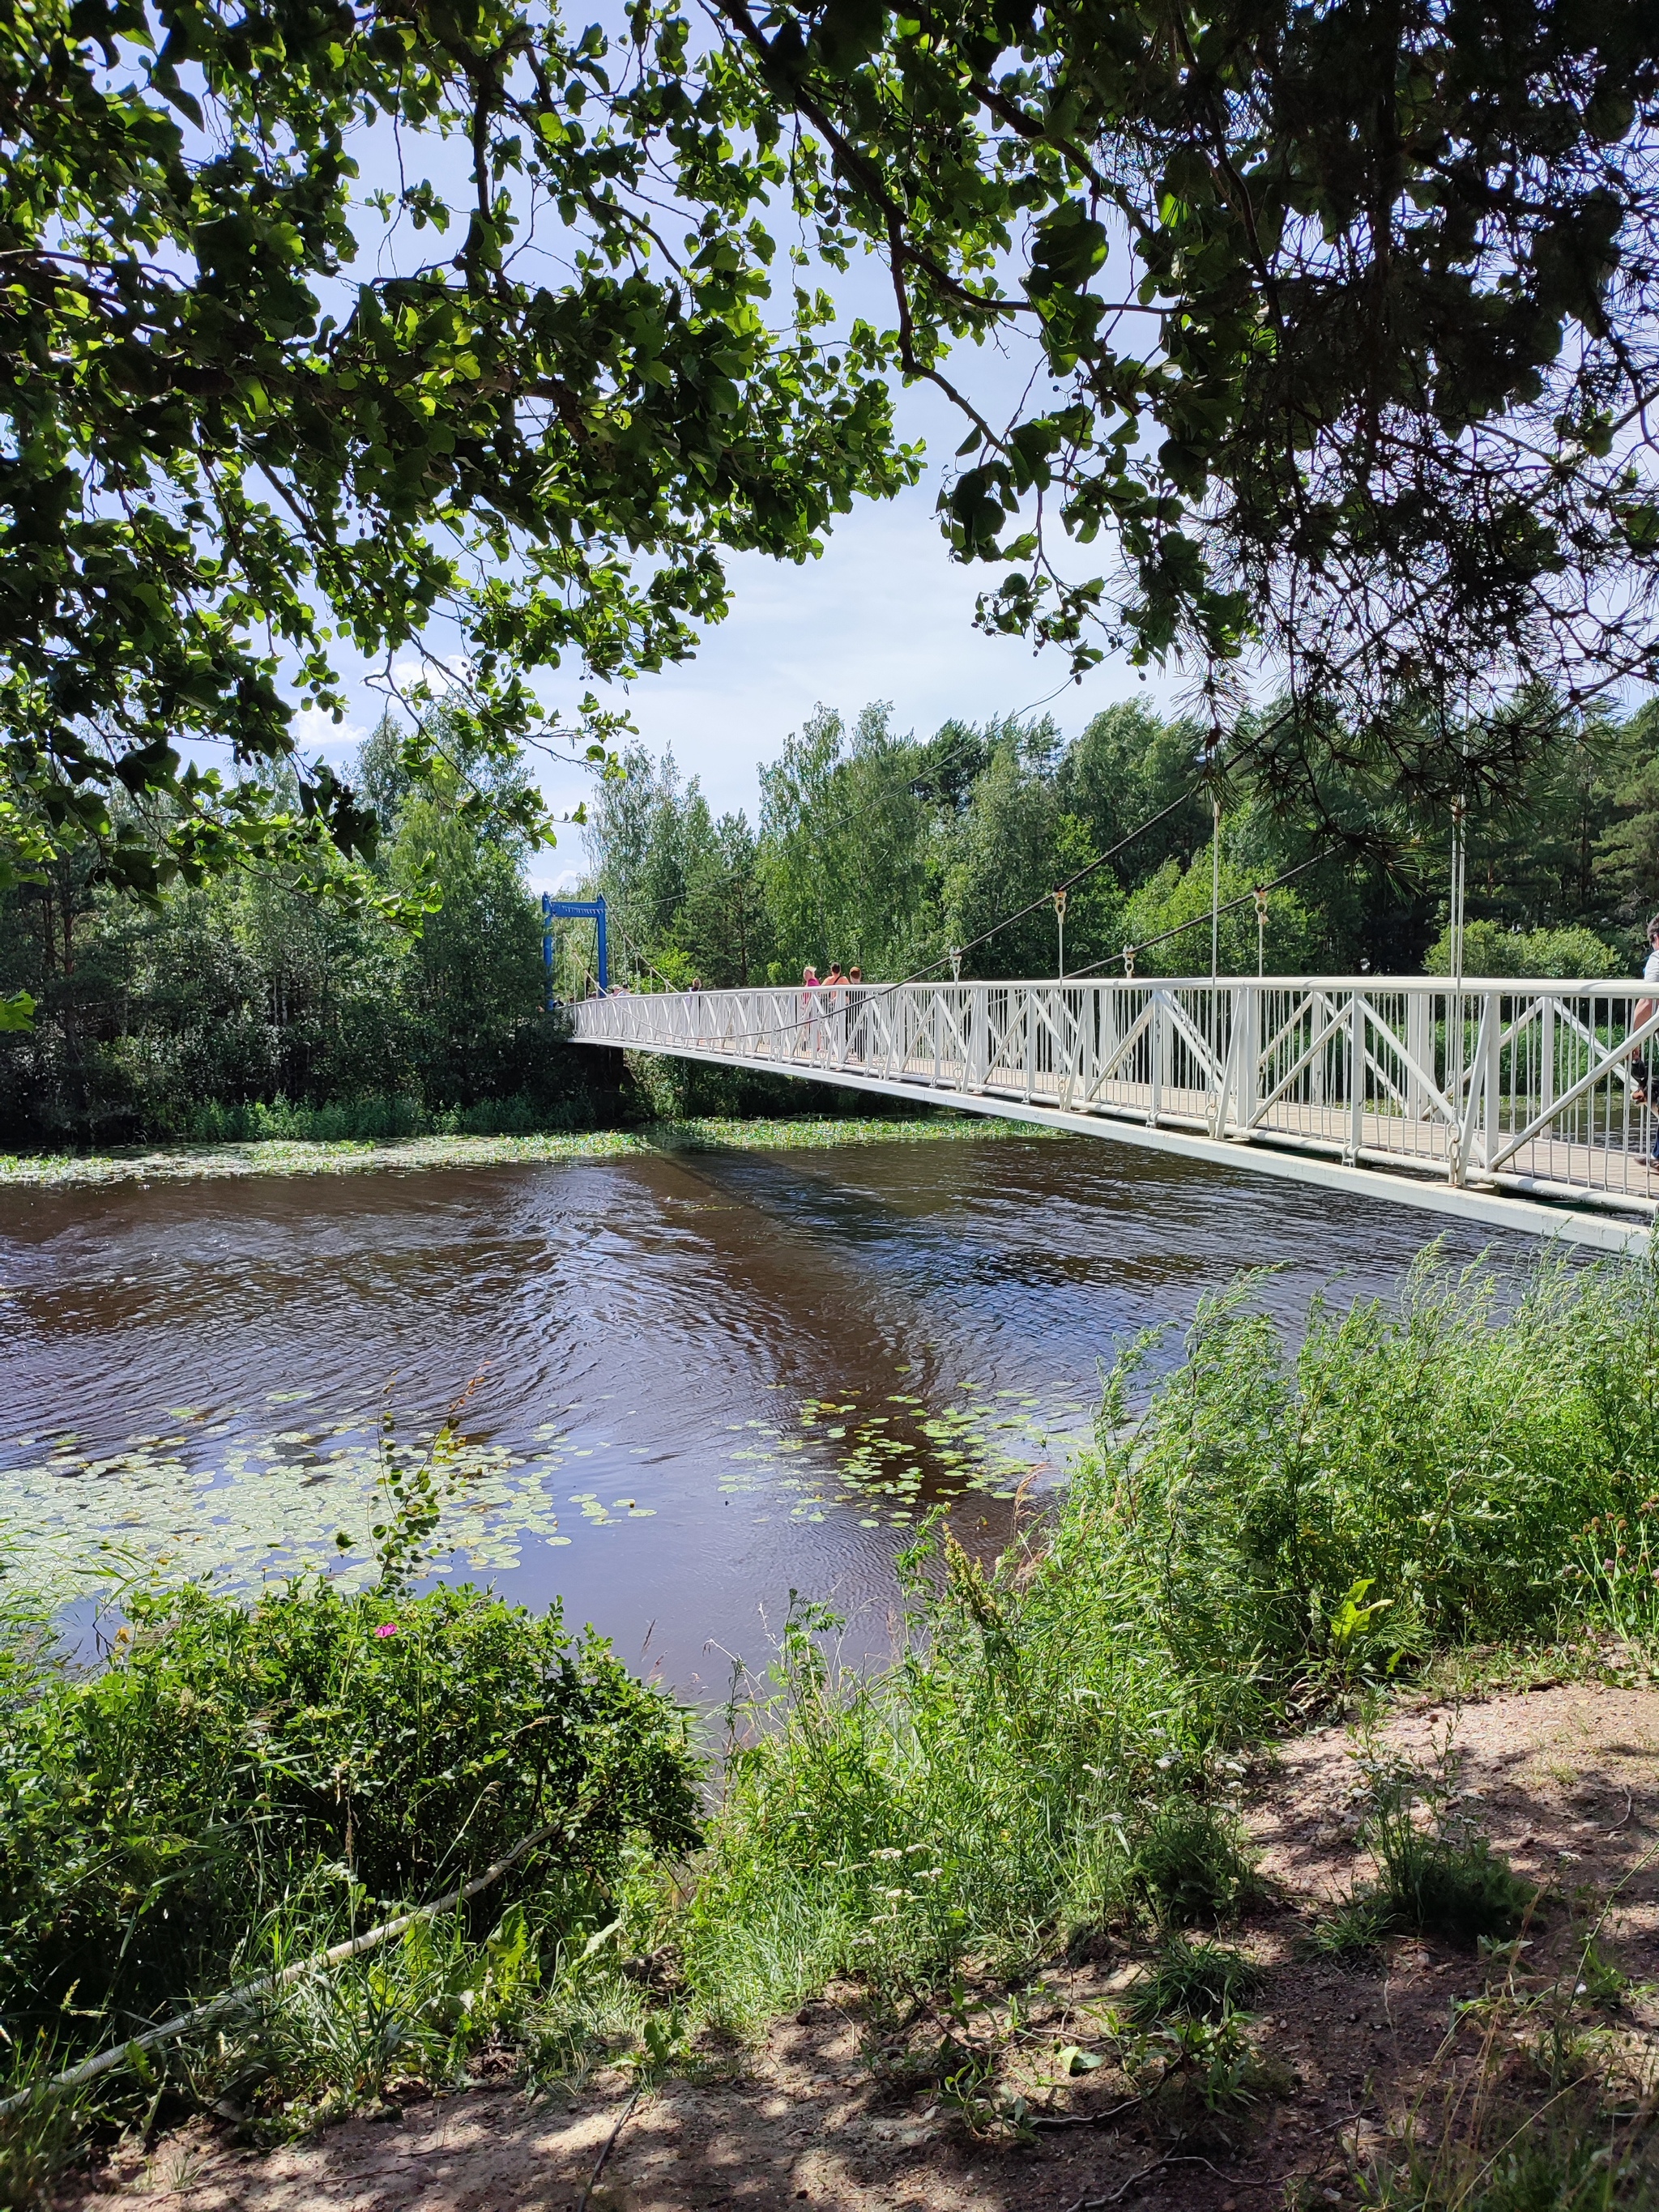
(559, 871)
(316, 731)
(441, 673)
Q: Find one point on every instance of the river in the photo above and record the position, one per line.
(693, 1381)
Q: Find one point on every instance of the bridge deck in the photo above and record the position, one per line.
(1579, 1171)
(1513, 1103)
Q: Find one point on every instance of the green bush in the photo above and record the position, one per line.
(1464, 1890)
(229, 1759)
(888, 1823)
(1574, 954)
(1174, 899)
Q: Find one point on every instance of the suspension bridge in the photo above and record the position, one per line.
(1520, 1104)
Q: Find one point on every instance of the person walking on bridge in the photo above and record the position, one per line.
(1640, 1013)
(855, 1001)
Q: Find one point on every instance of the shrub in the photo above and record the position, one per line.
(1517, 2160)
(887, 1823)
(1189, 1863)
(230, 1758)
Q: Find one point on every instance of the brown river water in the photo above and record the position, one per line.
(697, 1382)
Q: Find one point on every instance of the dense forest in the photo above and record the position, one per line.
(248, 1006)
(889, 850)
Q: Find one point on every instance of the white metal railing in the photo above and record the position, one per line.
(1508, 1085)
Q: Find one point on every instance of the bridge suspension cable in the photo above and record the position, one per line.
(872, 991)
(953, 955)
(1259, 891)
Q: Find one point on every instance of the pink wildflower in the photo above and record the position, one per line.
(388, 1628)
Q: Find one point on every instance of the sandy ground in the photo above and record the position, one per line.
(1565, 1777)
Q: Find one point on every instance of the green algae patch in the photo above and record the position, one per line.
(350, 1156)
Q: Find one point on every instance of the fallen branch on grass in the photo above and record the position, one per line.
(267, 1985)
(1082, 2119)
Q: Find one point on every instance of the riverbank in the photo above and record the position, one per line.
(350, 1156)
(833, 2109)
(1278, 1812)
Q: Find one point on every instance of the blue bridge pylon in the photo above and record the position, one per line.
(558, 909)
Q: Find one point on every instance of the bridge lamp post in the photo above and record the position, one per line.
(1215, 888)
(1059, 898)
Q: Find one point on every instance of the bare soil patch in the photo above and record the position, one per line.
(828, 2114)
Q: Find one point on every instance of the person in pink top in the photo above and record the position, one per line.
(810, 987)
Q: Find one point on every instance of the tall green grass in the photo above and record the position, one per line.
(1467, 1461)
(383, 1118)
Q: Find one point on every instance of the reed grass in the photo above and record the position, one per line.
(1283, 1524)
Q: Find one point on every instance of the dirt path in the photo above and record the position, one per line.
(1566, 1779)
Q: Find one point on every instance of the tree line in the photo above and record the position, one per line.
(895, 851)
(246, 1005)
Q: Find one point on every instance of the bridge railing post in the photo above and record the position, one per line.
(1419, 1052)
(1245, 1052)
(1546, 1052)
(1356, 1059)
